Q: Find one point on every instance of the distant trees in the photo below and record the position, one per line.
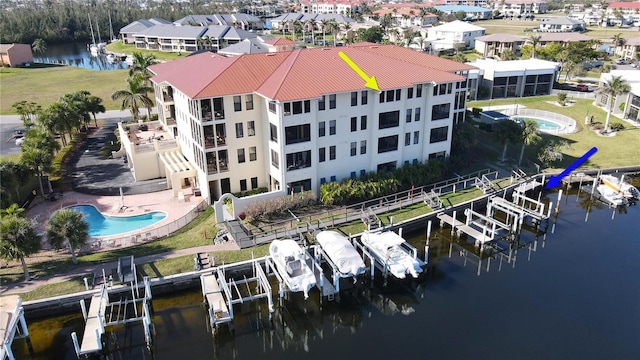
(372, 34)
(68, 228)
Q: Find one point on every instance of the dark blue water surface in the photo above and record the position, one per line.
(76, 54)
(573, 294)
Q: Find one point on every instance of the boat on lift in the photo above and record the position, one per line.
(392, 253)
(611, 196)
(620, 186)
(341, 253)
(291, 262)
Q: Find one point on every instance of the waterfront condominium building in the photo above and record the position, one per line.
(291, 121)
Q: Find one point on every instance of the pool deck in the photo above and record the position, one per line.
(111, 205)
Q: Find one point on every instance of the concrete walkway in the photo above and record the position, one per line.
(81, 270)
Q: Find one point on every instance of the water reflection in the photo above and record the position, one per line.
(76, 54)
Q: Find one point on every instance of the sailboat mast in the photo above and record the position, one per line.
(111, 36)
(98, 31)
(93, 38)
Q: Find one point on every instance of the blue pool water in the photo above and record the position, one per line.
(104, 225)
(543, 125)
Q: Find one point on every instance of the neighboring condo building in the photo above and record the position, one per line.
(291, 121)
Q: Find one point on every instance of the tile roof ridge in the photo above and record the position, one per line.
(233, 60)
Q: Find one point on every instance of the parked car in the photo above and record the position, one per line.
(19, 140)
(581, 88)
(588, 65)
(621, 61)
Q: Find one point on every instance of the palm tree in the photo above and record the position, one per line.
(94, 105)
(68, 227)
(312, 24)
(506, 132)
(529, 137)
(53, 120)
(535, 40)
(324, 23)
(13, 210)
(135, 96)
(37, 152)
(141, 64)
(12, 176)
(18, 240)
(77, 105)
(39, 46)
(26, 110)
(612, 88)
(618, 41)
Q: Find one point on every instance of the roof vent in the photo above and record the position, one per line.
(373, 47)
(271, 54)
(326, 48)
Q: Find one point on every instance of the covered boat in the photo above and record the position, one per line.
(620, 186)
(342, 253)
(611, 196)
(391, 251)
(291, 263)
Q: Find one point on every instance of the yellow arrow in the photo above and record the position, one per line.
(369, 82)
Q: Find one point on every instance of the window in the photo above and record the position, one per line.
(237, 105)
(321, 154)
(332, 127)
(241, 156)
(438, 134)
(419, 90)
(363, 147)
(354, 148)
(389, 119)
(323, 180)
(332, 152)
(354, 124)
(440, 111)
(354, 98)
(381, 97)
(363, 172)
(439, 155)
(417, 114)
(333, 178)
(297, 134)
(390, 95)
(407, 139)
(363, 122)
(321, 103)
(416, 137)
(321, 129)
(239, 130)
(364, 97)
(449, 88)
(387, 143)
(243, 185)
(272, 106)
(299, 160)
(398, 94)
(387, 167)
(275, 161)
(410, 93)
(254, 183)
(274, 132)
(253, 154)
(248, 101)
(409, 115)
(297, 107)
(307, 106)
(218, 108)
(251, 128)
(332, 101)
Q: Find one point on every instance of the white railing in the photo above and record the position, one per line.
(569, 123)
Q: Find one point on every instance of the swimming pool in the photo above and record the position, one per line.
(105, 225)
(544, 125)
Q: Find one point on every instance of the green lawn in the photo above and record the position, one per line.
(119, 47)
(612, 151)
(47, 85)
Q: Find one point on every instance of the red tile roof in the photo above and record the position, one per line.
(280, 41)
(624, 5)
(304, 73)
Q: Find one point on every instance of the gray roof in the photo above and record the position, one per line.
(217, 19)
(561, 21)
(139, 25)
(172, 31)
(235, 33)
(216, 31)
(316, 17)
(502, 38)
(246, 46)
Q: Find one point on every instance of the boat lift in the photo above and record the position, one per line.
(470, 227)
(12, 325)
(221, 293)
(520, 209)
(103, 313)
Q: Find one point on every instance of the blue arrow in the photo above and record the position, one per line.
(554, 181)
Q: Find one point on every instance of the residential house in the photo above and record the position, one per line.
(560, 24)
(15, 54)
(242, 21)
(178, 38)
(406, 17)
(630, 48)
(495, 44)
(479, 3)
(562, 38)
(627, 105)
(291, 121)
(472, 12)
(128, 33)
(514, 78)
(341, 7)
(453, 35)
(285, 22)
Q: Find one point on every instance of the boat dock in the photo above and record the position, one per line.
(221, 292)
(480, 236)
(104, 313)
(12, 325)
(326, 287)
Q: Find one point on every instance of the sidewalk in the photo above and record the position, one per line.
(23, 287)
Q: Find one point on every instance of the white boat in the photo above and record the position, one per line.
(342, 253)
(111, 58)
(613, 197)
(130, 60)
(619, 185)
(392, 252)
(291, 263)
(94, 50)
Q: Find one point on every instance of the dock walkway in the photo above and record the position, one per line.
(322, 282)
(218, 309)
(461, 227)
(94, 325)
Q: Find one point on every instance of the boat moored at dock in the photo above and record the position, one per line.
(341, 253)
(620, 186)
(291, 262)
(392, 253)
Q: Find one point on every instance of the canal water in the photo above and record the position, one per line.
(76, 54)
(573, 293)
